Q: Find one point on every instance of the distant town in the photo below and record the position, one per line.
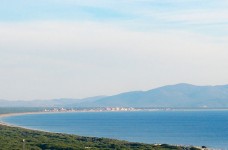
(124, 109)
(103, 109)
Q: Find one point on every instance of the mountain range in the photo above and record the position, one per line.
(179, 95)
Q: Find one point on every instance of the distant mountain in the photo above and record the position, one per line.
(179, 95)
(62, 102)
(37, 103)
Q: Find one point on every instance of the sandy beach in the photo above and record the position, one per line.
(16, 114)
(22, 113)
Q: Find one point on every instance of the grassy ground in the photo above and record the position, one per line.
(11, 138)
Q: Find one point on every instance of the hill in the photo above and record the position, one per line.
(179, 95)
(18, 138)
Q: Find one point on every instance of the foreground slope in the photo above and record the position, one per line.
(12, 138)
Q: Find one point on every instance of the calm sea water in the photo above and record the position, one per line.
(209, 128)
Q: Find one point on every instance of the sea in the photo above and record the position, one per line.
(198, 128)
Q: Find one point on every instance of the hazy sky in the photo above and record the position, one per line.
(80, 48)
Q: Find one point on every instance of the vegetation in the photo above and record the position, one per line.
(11, 138)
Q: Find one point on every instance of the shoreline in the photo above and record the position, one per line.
(144, 110)
(84, 141)
(43, 112)
(18, 114)
(38, 130)
(22, 127)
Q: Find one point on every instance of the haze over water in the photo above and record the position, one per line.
(209, 128)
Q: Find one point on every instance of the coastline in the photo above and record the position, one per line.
(17, 114)
(43, 112)
(25, 113)
(14, 137)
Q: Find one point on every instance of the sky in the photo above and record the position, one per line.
(81, 48)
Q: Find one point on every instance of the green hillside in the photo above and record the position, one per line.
(11, 138)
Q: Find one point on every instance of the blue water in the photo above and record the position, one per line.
(209, 128)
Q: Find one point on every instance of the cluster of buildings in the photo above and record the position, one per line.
(91, 109)
(59, 110)
(105, 109)
(120, 109)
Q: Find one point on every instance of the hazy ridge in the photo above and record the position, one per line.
(179, 95)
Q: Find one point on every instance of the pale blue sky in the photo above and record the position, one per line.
(79, 48)
(195, 15)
